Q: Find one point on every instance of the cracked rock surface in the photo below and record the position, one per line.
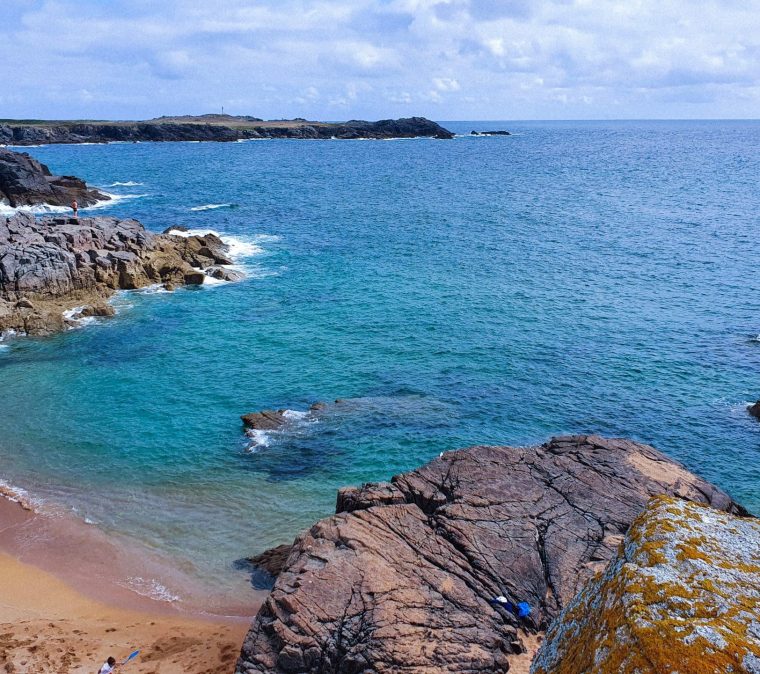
(52, 264)
(400, 579)
(682, 595)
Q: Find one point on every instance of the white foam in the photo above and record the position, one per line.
(238, 248)
(297, 420)
(149, 587)
(19, 495)
(129, 183)
(258, 438)
(152, 289)
(211, 281)
(42, 209)
(112, 199)
(71, 316)
(210, 207)
(295, 415)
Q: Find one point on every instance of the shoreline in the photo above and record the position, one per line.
(112, 570)
(47, 626)
(62, 609)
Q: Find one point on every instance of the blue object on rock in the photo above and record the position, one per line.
(523, 609)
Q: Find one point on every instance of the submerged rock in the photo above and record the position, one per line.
(401, 578)
(754, 409)
(267, 420)
(273, 560)
(490, 133)
(682, 595)
(26, 182)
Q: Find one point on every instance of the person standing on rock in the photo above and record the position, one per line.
(75, 208)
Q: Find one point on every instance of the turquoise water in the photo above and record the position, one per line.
(574, 277)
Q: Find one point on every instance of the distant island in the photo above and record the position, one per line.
(212, 127)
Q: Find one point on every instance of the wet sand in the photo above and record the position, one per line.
(71, 621)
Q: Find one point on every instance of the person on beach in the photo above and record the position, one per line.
(110, 664)
(75, 208)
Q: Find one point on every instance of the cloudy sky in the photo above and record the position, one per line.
(340, 59)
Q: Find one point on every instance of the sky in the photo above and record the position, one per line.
(371, 59)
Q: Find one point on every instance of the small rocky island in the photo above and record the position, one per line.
(212, 128)
(422, 574)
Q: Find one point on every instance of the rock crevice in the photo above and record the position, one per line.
(401, 577)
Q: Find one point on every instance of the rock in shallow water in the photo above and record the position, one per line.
(401, 581)
(682, 595)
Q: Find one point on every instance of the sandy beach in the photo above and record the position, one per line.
(69, 625)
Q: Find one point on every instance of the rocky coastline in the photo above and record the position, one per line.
(423, 573)
(26, 182)
(219, 128)
(53, 265)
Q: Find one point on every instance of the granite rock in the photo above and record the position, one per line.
(53, 264)
(26, 182)
(401, 578)
(681, 595)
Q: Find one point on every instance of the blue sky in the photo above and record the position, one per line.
(341, 59)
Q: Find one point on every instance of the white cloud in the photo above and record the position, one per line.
(376, 58)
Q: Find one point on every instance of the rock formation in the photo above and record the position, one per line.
(682, 595)
(213, 128)
(490, 133)
(266, 420)
(57, 263)
(754, 409)
(400, 579)
(26, 182)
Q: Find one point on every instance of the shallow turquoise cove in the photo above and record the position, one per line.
(571, 278)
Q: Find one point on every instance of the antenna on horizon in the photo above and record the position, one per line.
(222, 109)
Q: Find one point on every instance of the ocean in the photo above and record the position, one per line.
(575, 277)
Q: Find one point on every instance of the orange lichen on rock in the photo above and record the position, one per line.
(682, 597)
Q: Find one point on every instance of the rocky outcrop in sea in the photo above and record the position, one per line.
(200, 129)
(54, 264)
(456, 566)
(681, 595)
(26, 182)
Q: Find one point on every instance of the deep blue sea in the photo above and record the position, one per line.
(596, 277)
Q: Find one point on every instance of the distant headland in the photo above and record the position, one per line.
(212, 127)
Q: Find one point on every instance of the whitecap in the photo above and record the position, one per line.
(129, 183)
(211, 207)
(112, 199)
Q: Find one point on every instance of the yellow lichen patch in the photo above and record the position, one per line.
(682, 596)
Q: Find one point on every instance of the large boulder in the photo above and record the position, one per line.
(682, 595)
(26, 182)
(402, 578)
